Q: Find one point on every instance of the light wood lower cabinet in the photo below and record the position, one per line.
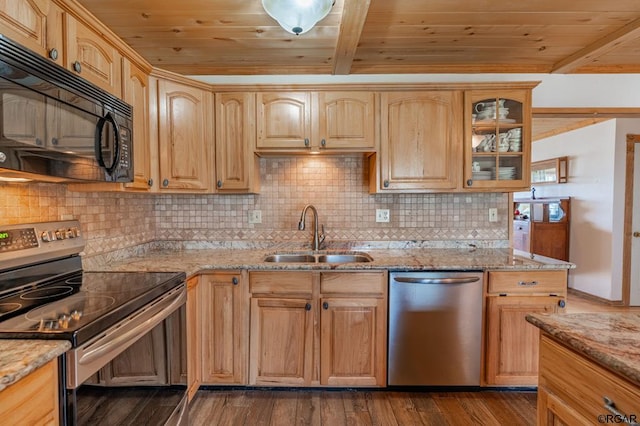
(574, 390)
(224, 321)
(318, 328)
(194, 337)
(34, 399)
(511, 342)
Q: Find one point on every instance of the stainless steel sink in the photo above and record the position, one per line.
(318, 258)
(344, 258)
(290, 258)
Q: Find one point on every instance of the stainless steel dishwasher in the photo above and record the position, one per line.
(435, 328)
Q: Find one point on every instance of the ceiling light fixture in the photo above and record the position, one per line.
(297, 16)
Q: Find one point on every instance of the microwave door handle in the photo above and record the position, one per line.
(116, 144)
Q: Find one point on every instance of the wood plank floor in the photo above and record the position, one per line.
(361, 407)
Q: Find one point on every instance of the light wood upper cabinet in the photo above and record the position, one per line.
(92, 57)
(283, 120)
(511, 342)
(223, 308)
(300, 122)
(184, 136)
(135, 92)
(236, 164)
(420, 142)
(35, 24)
(345, 121)
(497, 139)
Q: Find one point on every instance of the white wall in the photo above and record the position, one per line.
(596, 185)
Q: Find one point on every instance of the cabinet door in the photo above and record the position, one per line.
(353, 342)
(512, 342)
(345, 120)
(91, 57)
(236, 164)
(224, 354)
(420, 140)
(184, 136)
(552, 411)
(141, 364)
(281, 348)
(35, 24)
(135, 91)
(498, 140)
(284, 121)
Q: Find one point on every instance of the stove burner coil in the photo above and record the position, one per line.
(46, 292)
(7, 308)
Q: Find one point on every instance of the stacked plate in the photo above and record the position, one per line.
(504, 173)
(481, 175)
(515, 140)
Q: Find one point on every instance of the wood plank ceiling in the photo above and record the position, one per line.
(236, 37)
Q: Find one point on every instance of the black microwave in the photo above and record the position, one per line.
(56, 126)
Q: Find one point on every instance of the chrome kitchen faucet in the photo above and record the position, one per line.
(317, 239)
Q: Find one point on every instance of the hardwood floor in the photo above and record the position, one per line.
(361, 407)
(366, 407)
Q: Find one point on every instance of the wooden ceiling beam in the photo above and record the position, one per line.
(570, 112)
(586, 55)
(354, 15)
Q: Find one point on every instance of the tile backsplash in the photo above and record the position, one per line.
(336, 186)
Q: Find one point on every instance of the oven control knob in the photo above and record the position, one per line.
(48, 236)
(61, 234)
(75, 232)
(63, 321)
(76, 315)
(69, 233)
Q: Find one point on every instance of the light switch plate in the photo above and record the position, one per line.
(493, 215)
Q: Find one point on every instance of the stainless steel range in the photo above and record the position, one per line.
(110, 318)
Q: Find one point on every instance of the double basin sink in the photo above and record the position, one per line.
(351, 257)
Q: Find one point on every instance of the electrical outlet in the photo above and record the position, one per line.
(382, 215)
(255, 216)
(493, 215)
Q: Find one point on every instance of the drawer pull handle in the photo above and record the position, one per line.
(610, 406)
(527, 283)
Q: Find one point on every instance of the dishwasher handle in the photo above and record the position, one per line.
(451, 280)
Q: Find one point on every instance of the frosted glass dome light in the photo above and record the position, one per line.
(297, 16)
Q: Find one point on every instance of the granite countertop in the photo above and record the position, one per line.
(609, 339)
(18, 358)
(193, 261)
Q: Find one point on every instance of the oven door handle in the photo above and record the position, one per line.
(89, 358)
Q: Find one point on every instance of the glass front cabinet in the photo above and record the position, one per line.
(498, 139)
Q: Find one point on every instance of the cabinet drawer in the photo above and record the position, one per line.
(582, 384)
(528, 282)
(267, 283)
(352, 283)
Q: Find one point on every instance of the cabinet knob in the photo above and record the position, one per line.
(53, 54)
(306, 142)
(165, 183)
(54, 141)
(219, 184)
(323, 143)
(385, 183)
(325, 305)
(469, 182)
(307, 307)
(562, 303)
(150, 183)
(234, 280)
(77, 67)
(636, 234)
(38, 141)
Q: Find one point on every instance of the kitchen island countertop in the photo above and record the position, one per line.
(609, 339)
(19, 358)
(193, 261)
